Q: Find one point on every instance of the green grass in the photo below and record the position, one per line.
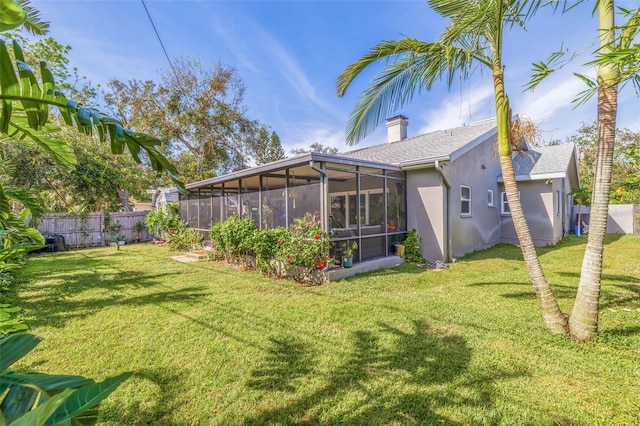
(211, 345)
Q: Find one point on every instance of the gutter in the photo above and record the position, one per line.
(438, 166)
(424, 163)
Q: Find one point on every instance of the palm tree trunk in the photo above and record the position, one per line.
(583, 322)
(552, 316)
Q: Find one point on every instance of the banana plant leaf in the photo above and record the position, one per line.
(15, 347)
(47, 383)
(39, 415)
(58, 399)
(86, 398)
(28, 118)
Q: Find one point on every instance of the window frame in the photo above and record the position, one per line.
(503, 202)
(465, 200)
(490, 200)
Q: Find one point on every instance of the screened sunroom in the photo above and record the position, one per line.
(353, 200)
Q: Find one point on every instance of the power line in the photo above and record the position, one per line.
(159, 39)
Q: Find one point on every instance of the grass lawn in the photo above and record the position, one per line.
(211, 345)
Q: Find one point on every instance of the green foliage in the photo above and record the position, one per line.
(234, 237)
(160, 222)
(29, 118)
(401, 346)
(183, 238)
(9, 325)
(42, 399)
(267, 148)
(411, 249)
(296, 251)
(268, 244)
(626, 162)
(316, 147)
(308, 245)
(196, 109)
(348, 248)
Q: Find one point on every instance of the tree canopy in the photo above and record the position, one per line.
(197, 110)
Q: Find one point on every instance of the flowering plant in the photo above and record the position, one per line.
(308, 245)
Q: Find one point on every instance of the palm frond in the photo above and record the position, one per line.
(398, 82)
(384, 50)
(32, 22)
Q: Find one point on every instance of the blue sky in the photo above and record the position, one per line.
(289, 53)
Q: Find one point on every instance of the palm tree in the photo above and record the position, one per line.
(474, 35)
(617, 63)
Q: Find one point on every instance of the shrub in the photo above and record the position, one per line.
(268, 245)
(411, 249)
(184, 238)
(160, 222)
(234, 238)
(298, 251)
(307, 248)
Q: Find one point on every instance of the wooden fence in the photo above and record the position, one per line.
(90, 230)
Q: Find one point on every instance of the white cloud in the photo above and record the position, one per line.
(234, 43)
(307, 134)
(454, 110)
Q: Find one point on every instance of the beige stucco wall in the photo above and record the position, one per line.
(620, 220)
(479, 169)
(426, 195)
(539, 204)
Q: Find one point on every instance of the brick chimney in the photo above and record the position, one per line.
(397, 128)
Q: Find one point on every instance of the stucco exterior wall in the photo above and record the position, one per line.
(478, 168)
(540, 209)
(620, 220)
(426, 204)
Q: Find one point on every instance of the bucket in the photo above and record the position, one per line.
(399, 249)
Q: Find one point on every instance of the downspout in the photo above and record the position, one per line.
(323, 194)
(438, 167)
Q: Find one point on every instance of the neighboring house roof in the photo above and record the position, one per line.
(171, 195)
(545, 162)
(427, 148)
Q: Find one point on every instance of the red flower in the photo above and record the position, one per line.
(279, 241)
(318, 236)
(170, 232)
(290, 259)
(320, 265)
(324, 257)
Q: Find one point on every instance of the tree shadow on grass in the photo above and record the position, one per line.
(134, 412)
(387, 376)
(287, 360)
(56, 308)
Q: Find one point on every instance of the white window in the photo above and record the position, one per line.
(504, 204)
(465, 200)
(557, 203)
(490, 198)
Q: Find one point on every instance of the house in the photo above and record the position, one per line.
(445, 184)
(163, 196)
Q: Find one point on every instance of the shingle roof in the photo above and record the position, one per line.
(540, 162)
(430, 146)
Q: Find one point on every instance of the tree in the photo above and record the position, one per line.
(618, 62)
(611, 73)
(625, 162)
(474, 35)
(267, 147)
(316, 147)
(194, 108)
